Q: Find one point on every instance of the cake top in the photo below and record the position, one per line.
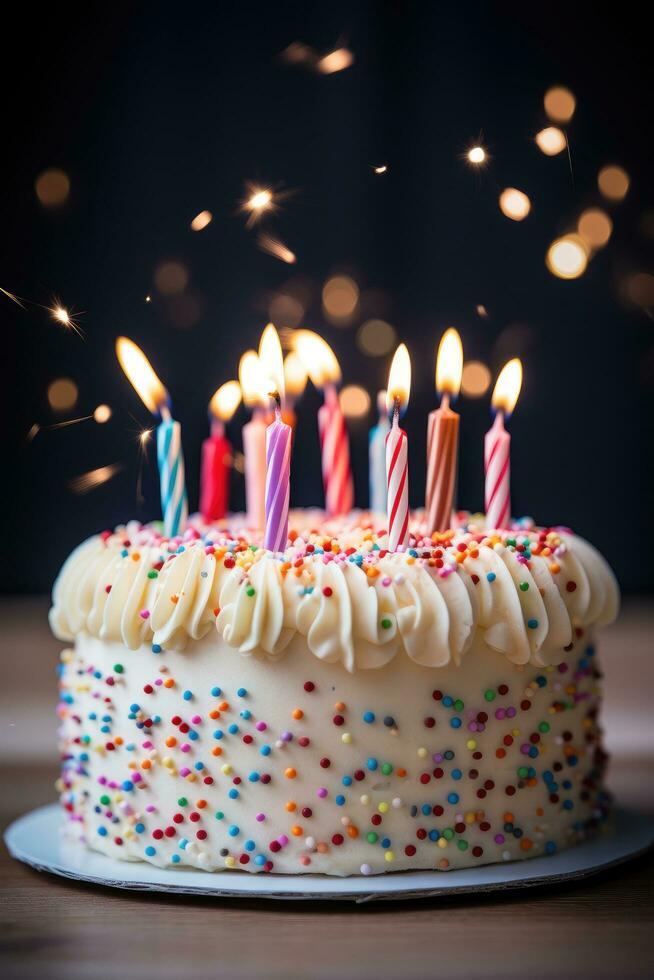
(522, 592)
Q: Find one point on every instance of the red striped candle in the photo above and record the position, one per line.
(335, 452)
(397, 453)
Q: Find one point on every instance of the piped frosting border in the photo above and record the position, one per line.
(522, 592)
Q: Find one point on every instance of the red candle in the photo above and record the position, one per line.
(217, 454)
(443, 436)
(497, 448)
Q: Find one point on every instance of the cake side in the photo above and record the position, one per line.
(214, 760)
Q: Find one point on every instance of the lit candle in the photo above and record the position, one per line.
(295, 381)
(443, 436)
(253, 388)
(278, 446)
(377, 457)
(174, 503)
(217, 453)
(397, 453)
(323, 369)
(497, 445)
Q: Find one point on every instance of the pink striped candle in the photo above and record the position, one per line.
(397, 453)
(335, 452)
(278, 479)
(497, 444)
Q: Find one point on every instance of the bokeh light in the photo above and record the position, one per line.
(476, 155)
(52, 187)
(354, 401)
(514, 204)
(595, 227)
(62, 394)
(171, 278)
(285, 311)
(567, 257)
(560, 104)
(102, 414)
(201, 220)
(481, 311)
(551, 141)
(376, 338)
(337, 60)
(340, 297)
(475, 380)
(380, 170)
(613, 182)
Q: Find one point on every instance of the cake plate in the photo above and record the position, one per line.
(36, 839)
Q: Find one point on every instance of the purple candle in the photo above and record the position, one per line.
(278, 474)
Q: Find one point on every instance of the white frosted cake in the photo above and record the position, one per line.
(338, 709)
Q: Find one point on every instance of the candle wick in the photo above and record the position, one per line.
(396, 411)
(278, 404)
(445, 401)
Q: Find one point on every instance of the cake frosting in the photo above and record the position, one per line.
(335, 708)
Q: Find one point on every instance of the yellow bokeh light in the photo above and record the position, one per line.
(551, 141)
(340, 297)
(62, 394)
(613, 182)
(595, 227)
(514, 204)
(52, 187)
(475, 380)
(337, 60)
(567, 257)
(201, 220)
(376, 338)
(560, 104)
(102, 414)
(171, 278)
(476, 154)
(354, 401)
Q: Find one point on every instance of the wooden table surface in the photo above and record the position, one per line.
(49, 927)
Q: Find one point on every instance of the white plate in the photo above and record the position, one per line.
(36, 840)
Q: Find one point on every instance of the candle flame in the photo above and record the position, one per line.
(141, 374)
(252, 379)
(449, 363)
(399, 380)
(318, 358)
(295, 375)
(507, 387)
(225, 401)
(272, 360)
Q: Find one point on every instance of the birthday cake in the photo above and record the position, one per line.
(335, 709)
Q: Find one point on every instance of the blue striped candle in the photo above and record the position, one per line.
(170, 459)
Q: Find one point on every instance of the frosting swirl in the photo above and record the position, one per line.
(522, 592)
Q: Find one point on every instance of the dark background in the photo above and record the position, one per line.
(159, 110)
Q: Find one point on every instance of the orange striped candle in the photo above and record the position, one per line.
(443, 436)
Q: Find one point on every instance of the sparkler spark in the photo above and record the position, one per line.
(477, 155)
(94, 478)
(272, 246)
(65, 317)
(13, 297)
(258, 200)
(381, 170)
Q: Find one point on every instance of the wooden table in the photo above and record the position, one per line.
(603, 927)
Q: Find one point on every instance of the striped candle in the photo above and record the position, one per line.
(397, 453)
(335, 451)
(278, 477)
(174, 502)
(377, 457)
(154, 396)
(397, 469)
(442, 451)
(497, 444)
